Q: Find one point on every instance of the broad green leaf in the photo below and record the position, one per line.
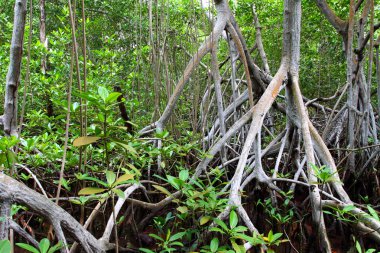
(270, 236)
(276, 236)
(236, 247)
(244, 237)
(348, 208)
(5, 246)
(373, 213)
(126, 147)
(240, 229)
(97, 180)
(358, 247)
(214, 229)
(204, 220)
(184, 175)
(74, 201)
(182, 209)
(86, 96)
(162, 189)
(233, 219)
(85, 140)
(214, 244)
(124, 178)
(177, 236)
(103, 93)
(176, 244)
(156, 237)
(119, 193)
(56, 247)
(111, 177)
(44, 245)
(28, 247)
(221, 224)
(74, 106)
(146, 250)
(101, 117)
(91, 190)
(135, 170)
(112, 97)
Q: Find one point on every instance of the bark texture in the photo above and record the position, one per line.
(13, 76)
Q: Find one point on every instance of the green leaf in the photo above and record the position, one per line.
(156, 237)
(44, 245)
(28, 247)
(127, 147)
(175, 182)
(214, 244)
(236, 247)
(75, 106)
(86, 177)
(373, 213)
(111, 177)
(177, 236)
(91, 190)
(240, 229)
(56, 247)
(101, 117)
(74, 201)
(162, 189)
(244, 237)
(217, 230)
(184, 175)
(221, 224)
(348, 208)
(5, 246)
(276, 236)
(103, 93)
(182, 209)
(270, 236)
(85, 140)
(358, 247)
(124, 178)
(119, 193)
(176, 244)
(204, 220)
(233, 219)
(146, 250)
(112, 97)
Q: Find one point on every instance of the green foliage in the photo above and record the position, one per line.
(344, 214)
(236, 234)
(359, 248)
(43, 247)
(281, 215)
(110, 185)
(323, 174)
(167, 244)
(7, 156)
(5, 246)
(120, 53)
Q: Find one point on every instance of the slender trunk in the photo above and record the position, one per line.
(27, 76)
(14, 70)
(378, 79)
(259, 41)
(43, 39)
(351, 94)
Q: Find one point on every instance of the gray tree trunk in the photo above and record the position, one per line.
(13, 75)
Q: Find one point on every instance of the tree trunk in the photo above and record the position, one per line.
(13, 75)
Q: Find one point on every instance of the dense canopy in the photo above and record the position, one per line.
(190, 126)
